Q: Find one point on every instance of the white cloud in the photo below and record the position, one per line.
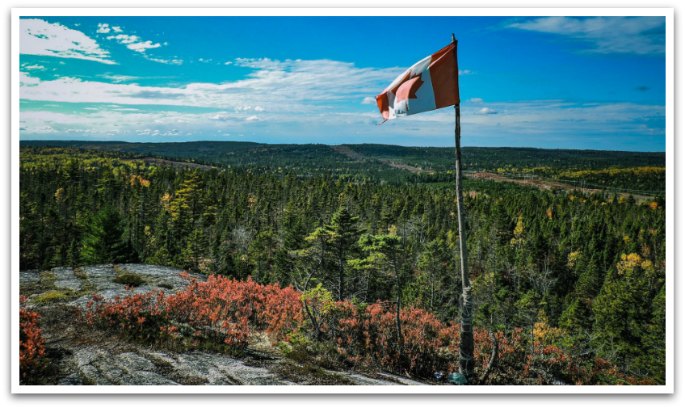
(38, 37)
(133, 42)
(248, 108)
(171, 61)
(368, 100)
(124, 38)
(33, 67)
(118, 78)
(301, 100)
(127, 122)
(487, 111)
(538, 123)
(629, 35)
(291, 85)
(553, 117)
(222, 116)
(27, 81)
(288, 94)
(137, 44)
(261, 63)
(103, 28)
(143, 46)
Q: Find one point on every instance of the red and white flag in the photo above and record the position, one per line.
(429, 84)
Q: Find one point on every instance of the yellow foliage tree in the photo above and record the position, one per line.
(519, 230)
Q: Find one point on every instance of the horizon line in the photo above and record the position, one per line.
(336, 144)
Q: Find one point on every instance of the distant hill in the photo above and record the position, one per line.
(367, 157)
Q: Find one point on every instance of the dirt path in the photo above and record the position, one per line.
(402, 166)
(541, 184)
(346, 151)
(178, 164)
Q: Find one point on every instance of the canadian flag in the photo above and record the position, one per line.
(429, 84)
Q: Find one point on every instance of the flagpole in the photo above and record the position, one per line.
(466, 332)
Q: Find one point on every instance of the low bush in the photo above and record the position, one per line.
(220, 310)
(221, 314)
(31, 342)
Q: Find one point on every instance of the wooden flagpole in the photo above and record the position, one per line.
(466, 333)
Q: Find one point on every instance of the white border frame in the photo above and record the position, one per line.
(668, 388)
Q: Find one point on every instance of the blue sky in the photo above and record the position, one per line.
(551, 82)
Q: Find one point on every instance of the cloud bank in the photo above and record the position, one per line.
(605, 35)
(38, 37)
(310, 101)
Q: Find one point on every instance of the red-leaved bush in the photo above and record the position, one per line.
(219, 310)
(31, 342)
(370, 336)
(223, 312)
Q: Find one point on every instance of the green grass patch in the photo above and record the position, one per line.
(53, 296)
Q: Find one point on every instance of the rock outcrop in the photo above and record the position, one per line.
(81, 355)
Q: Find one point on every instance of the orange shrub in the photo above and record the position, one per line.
(31, 342)
(219, 310)
(223, 311)
(137, 315)
(370, 336)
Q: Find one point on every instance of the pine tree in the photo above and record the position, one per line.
(623, 311)
(385, 254)
(104, 239)
(194, 250)
(342, 234)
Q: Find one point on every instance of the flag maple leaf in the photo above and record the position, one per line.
(409, 88)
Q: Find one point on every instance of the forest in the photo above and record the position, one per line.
(639, 171)
(569, 286)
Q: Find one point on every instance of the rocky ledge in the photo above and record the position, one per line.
(79, 355)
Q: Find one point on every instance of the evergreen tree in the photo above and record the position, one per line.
(104, 240)
(385, 255)
(623, 312)
(342, 234)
